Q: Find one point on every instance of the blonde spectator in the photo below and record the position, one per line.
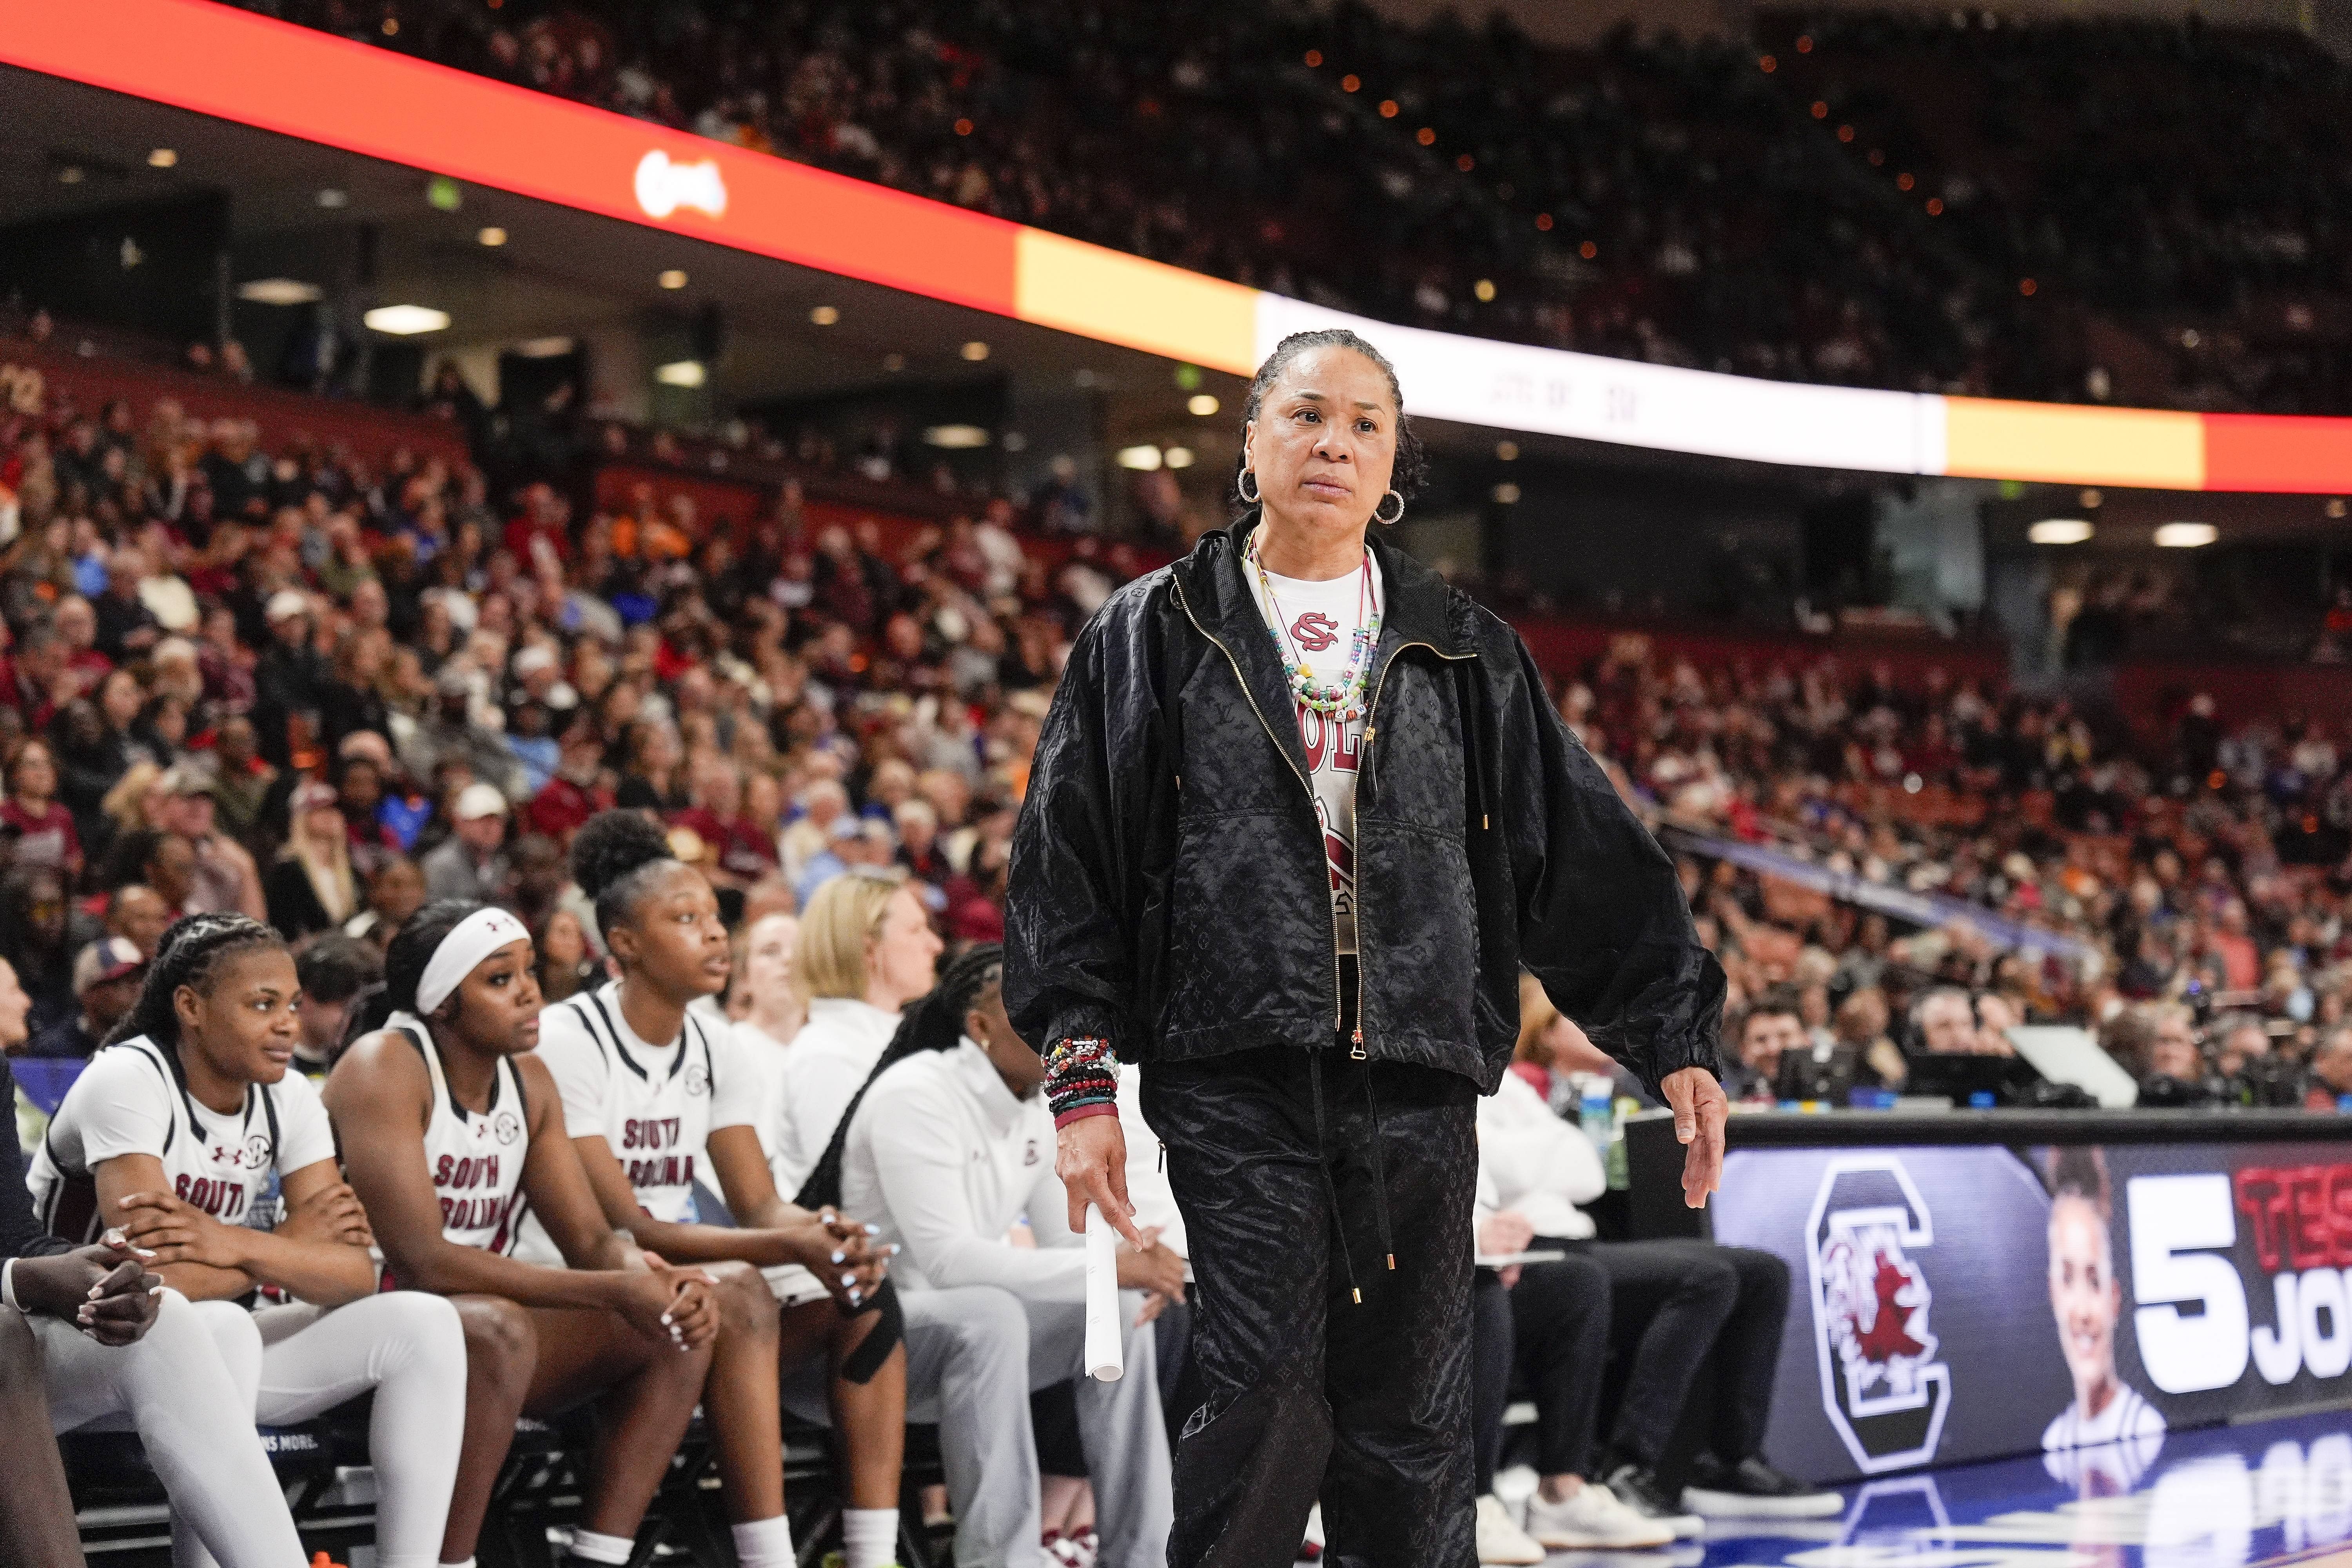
(863, 950)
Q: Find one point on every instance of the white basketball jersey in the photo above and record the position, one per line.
(131, 1100)
(654, 1106)
(476, 1161)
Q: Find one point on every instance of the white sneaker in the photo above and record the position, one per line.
(1500, 1541)
(1592, 1518)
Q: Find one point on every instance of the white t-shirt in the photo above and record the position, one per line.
(945, 1160)
(655, 1105)
(131, 1100)
(1536, 1164)
(1316, 624)
(829, 1062)
(762, 1056)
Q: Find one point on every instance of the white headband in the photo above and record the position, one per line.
(472, 940)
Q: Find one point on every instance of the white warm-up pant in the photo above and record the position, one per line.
(194, 1419)
(298, 1362)
(974, 1353)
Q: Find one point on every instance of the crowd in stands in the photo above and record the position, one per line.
(1987, 208)
(2185, 896)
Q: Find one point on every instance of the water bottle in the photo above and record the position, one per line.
(1596, 1116)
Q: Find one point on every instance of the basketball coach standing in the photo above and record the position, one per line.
(1300, 813)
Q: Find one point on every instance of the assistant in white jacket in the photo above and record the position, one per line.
(945, 1157)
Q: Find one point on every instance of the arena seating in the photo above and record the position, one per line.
(1867, 200)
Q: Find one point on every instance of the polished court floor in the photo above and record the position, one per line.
(2272, 1493)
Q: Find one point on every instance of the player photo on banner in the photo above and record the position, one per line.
(1966, 1303)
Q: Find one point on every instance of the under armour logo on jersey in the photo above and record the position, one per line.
(1314, 632)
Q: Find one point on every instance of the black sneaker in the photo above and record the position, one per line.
(1754, 1489)
(1640, 1490)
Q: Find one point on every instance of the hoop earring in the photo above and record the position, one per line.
(1385, 521)
(1247, 485)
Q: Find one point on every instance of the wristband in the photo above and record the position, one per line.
(9, 1285)
(1080, 1112)
(1080, 1073)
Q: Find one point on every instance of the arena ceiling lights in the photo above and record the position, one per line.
(406, 321)
(271, 75)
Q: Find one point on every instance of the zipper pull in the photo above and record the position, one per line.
(1162, 1164)
(1357, 1054)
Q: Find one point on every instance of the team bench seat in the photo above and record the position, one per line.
(125, 1521)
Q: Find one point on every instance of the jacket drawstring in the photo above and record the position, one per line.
(1323, 1164)
(1472, 749)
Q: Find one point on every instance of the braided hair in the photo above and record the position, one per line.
(613, 859)
(932, 1022)
(190, 953)
(403, 967)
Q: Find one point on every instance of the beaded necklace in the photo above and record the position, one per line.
(1342, 699)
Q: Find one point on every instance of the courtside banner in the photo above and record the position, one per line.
(1967, 1302)
(255, 70)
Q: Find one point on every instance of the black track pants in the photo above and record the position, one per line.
(1301, 1390)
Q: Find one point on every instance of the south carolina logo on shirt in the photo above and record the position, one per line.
(1314, 632)
(697, 1080)
(508, 1126)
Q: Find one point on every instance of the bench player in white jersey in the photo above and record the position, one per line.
(653, 1100)
(96, 1343)
(450, 1128)
(191, 1134)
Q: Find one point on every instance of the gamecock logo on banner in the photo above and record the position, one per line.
(1883, 1386)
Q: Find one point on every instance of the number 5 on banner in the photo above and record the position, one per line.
(2174, 1220)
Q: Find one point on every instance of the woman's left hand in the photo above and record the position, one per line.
(1700, 1111)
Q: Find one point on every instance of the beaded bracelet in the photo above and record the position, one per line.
(1081, 1078)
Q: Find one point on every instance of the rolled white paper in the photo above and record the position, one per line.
(1106, 1333)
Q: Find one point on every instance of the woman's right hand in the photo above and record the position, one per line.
(1504, 1233)
(1152, 1266)
(1090, 1156)
(169, 1229)
(670, 1304)
(104, 1290)
(843, 1256)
